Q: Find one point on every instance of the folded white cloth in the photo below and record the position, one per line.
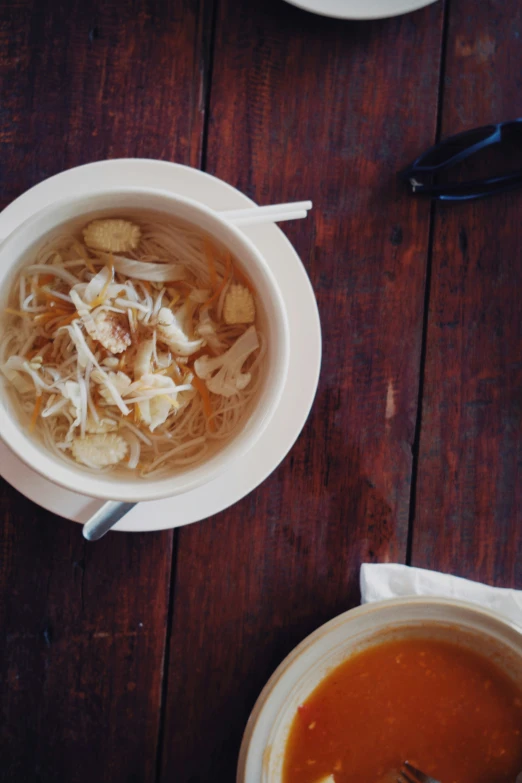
(391, 580)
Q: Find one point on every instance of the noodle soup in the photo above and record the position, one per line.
(133, 343)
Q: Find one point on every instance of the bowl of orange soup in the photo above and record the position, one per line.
(432, 681)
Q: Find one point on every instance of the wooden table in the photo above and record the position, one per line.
(139, 658)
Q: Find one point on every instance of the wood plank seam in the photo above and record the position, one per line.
(166, 658)
(208, 39)
(207, 82)
(427, 291)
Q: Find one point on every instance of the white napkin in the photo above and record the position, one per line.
(391, 580)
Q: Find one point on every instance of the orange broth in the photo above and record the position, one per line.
(448, 710)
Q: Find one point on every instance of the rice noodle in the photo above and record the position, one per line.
(47, 269)
(134, 450)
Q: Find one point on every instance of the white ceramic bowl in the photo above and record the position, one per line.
(264, 742)
(16, 251)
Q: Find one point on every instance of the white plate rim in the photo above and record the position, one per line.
(337, 9)
(283, 430)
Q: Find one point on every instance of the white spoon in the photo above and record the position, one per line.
(106, 517)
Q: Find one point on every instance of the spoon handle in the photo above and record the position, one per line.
(105, 518)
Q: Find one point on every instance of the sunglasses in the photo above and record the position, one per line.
(420, 175)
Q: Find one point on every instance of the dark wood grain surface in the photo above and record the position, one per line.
(140, 657)
(469, 489)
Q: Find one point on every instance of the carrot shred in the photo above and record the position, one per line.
(51, 298)
(69, 319)
(32, 353)
(174, 301)
(207, 405)
(36, 412)
(21, 313)
(209, 253)
(226, 278)
(44, 318)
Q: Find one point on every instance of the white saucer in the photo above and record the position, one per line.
(355, 9)
(305, 347)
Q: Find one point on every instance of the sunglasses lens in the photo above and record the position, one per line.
(471, 164)
(512, 133)
(453, 146)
